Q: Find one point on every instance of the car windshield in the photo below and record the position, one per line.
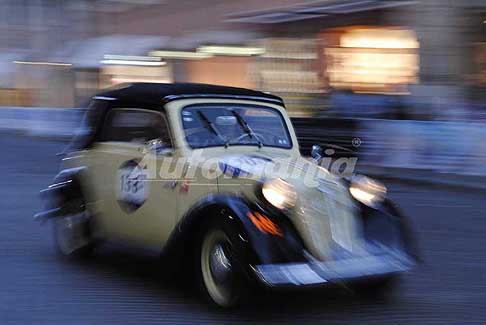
(210, 125)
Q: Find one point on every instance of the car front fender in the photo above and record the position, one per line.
(268, 237)
(385, 222)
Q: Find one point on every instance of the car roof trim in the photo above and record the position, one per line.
(170, 98)
(104, 98)
(155, 93)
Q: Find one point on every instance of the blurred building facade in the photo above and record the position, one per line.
(428, 53)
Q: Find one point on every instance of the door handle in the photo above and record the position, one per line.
(173, 184)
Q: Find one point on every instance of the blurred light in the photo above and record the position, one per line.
(374, 60)
(366, 190)
(231, 50)
(43, 63)
(133, 62)
(279, 193)
(361, 195)
(117, 80)
(180, 54)
(131, 57)
(380, 39)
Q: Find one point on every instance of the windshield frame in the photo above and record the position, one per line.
(290, 145)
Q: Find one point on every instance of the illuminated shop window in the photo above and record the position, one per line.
(374, 60)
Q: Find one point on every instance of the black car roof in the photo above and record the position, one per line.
(153, 96)
(157, 93)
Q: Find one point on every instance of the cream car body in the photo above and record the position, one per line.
(172, 198)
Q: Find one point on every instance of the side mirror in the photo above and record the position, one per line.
(158, 147)
(316, 153)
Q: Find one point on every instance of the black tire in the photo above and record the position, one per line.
(380, 287)
(221, 279)
(73, 226)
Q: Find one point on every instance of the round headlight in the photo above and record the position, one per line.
(366, 190)
(279, 193)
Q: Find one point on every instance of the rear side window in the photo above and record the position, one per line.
(134, 125)
(91, 123)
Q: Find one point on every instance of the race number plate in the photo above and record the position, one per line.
(132, 186)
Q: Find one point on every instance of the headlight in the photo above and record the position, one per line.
(367, 190)
(279, 193)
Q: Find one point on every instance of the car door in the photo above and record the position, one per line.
(134, 204)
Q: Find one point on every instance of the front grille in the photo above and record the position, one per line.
(328, 223)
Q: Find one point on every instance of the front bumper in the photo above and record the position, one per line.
(337, 271)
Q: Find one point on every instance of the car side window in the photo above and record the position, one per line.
(137, 126)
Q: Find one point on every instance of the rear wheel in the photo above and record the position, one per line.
(218, 271)
(72, 233)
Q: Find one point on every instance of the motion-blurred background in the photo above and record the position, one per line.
(316, 54)
(394, 61)
(399, 83)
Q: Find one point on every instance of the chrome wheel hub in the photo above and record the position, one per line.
(216, 267)
(219, 264)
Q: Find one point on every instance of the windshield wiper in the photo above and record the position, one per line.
(212, 128)
(244, 125)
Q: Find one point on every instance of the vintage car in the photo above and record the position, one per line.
(212, 177)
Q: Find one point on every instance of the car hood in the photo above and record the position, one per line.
(293, 169)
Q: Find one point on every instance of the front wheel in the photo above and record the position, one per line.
(219, 274)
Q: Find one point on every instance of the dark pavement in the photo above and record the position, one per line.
(38, 287)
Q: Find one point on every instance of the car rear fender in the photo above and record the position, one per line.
(65, 188)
